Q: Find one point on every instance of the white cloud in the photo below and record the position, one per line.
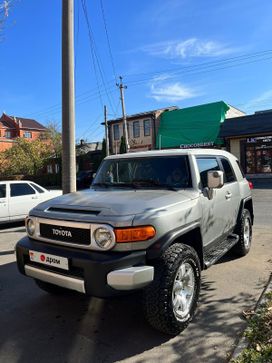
(262, 102)
(171, 92)
(188, 48)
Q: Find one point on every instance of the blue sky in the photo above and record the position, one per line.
(169, 52)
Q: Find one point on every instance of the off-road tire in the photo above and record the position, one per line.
(242, 247)
(52, 289)
(157, 297)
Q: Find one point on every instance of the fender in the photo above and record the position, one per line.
(165, 241)
(242, 207)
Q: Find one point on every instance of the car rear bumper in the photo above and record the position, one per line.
(100, 274)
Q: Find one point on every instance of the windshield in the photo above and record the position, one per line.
(155, 172)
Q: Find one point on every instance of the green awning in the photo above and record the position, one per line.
(192, 126)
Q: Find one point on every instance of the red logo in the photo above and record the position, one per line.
(42, 257)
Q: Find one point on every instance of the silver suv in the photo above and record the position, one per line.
(151, 221)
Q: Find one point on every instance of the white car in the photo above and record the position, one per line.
(17, 198)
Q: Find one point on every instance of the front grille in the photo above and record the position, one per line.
(78, 236)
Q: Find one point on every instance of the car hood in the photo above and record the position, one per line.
(121, 202)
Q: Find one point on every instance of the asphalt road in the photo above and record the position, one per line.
(37, 327)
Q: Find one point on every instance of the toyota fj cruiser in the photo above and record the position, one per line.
(152, 221)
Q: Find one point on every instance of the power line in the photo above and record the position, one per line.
(191, 70)
(91, 43)
(94, 51)
(108, 39)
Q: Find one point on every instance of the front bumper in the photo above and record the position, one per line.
(100, 274)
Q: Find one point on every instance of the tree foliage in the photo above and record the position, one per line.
(122, 146)
(54, 139)
(104, 152)
(26, 158)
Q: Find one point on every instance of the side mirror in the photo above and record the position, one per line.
(215, 179)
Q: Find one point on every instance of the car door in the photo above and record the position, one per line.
(231, 190)
(4, 211)
(215, 217)
(22, 199)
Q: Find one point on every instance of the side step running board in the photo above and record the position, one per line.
(214, 254)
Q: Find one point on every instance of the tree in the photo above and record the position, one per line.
(53, 136)
(26, 158)
(122, 146)
(104, 152)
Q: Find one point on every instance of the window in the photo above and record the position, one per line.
(205, 165)
(229, 176)
(146, 127)
(8, 135)
(37, 188)
(49, 169)
(27, 135)
(20, 189)
(57, 169)
(136, 129)
(2, 191)
(116, 132)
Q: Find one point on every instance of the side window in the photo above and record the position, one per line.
(228, 172)
(20, 189)
(205, 165)
(3, 191)
(37, 188)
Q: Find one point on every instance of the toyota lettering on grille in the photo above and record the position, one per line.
(61, 232)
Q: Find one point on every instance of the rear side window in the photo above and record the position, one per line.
(17, 190)
(2, 190)
(205, 165)
(37, 188)
(229, 175)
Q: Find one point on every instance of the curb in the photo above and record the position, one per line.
(243, 343)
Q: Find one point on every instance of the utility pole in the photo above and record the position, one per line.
(106, 131)
(68, 99)
(125, 131)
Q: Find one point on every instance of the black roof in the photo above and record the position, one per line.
(258, 123)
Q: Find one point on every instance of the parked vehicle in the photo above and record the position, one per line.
(84, 179)
(18, 197)
(151, 221)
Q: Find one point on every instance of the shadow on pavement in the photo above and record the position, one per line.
(6, 226)
(39, 327)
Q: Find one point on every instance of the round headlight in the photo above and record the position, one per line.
(104, 238)
(30, 226)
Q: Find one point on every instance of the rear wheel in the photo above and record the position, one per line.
(52, 289)
(244, 230)
(170, 300)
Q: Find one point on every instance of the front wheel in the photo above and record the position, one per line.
(170, 300)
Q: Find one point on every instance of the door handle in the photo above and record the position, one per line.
(3, 201)
(34, 197)
(228, 195)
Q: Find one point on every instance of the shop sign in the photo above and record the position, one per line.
(200, 144)
(259, 139)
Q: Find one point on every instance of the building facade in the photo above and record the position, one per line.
(12, 127)
(142, 130)
(249, 138)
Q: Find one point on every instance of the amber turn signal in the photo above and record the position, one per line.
(134, 234)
